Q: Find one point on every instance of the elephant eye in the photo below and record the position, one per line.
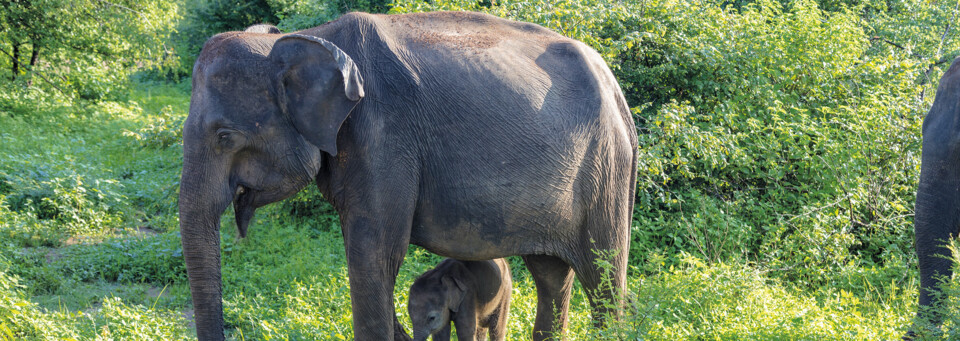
(223, 135)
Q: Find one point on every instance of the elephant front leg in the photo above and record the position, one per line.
(375, 251)
(466, 327)
(936, 224)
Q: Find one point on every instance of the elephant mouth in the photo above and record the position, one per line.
(243, 208)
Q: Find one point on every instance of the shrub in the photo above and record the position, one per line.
(61, 201)
(163, 131)
(733, 302)
(157, 259)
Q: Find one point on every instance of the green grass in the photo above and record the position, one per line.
(83, 208)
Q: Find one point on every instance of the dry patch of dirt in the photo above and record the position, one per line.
(188, 315)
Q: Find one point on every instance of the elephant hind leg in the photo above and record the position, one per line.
(481, 333)
(604, 285)
(498, 324)
(554, 280)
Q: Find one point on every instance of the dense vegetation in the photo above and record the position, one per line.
(779, 148)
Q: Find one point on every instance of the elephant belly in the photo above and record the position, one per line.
(494, 220)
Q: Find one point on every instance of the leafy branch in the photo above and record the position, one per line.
(30, 68)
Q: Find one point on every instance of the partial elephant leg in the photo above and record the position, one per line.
(936, 224)
(937, 210)
(375, 251)
(605, 290)
(554, 280)
(481, 333)
(466, 324)
(498, 325)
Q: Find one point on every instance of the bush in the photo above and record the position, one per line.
(163, 131)
(56, 199)
(83, 50)
(158, 259)
(732, 302)
(203, 19)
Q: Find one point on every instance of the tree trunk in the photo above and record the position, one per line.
(15, 65)
(34, 57)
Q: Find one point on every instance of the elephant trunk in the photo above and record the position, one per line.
(202, 201)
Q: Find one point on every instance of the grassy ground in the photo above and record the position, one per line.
(89, 248)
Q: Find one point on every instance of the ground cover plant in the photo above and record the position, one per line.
(779, 159)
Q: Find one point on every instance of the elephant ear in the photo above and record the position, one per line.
(318, 86)
(455, 292)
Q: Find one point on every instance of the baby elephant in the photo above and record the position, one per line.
(474, 295)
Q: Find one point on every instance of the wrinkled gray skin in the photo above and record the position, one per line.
(469, 135)
(938, 197)
(474, 295)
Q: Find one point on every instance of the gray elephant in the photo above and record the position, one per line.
(474, 295)
(472, 136)
(938, 195)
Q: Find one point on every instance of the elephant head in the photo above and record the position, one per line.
(263, 112)
(433, 299)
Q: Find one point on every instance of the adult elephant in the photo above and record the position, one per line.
(937, 219)
(472, 136)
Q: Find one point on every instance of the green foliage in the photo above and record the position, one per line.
(71, 201)
(205, 18)
(730, 302)
(296, 15)
(83, 48)
(164, 131)
(158, 259)
(116, 320)
(21, 319)
(61, 175)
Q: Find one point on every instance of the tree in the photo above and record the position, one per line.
(79, 39)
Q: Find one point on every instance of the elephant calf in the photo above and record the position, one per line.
(474, 295)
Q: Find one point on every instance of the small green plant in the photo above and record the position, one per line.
(64, 204)
(163, 131)
(157, 259)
